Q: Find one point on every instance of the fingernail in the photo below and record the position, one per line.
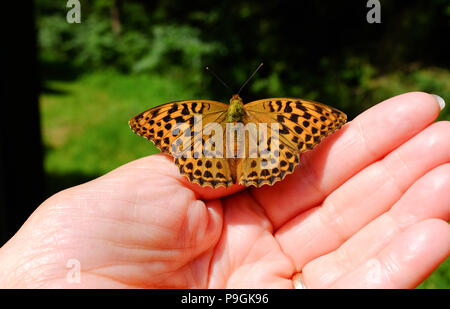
(439, 100)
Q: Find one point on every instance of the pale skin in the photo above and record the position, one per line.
(367, 208)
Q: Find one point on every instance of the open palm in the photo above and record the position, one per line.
(368, 207)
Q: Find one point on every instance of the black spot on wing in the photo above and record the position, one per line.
(185, 110)
(288, 108)
(193, 106)
(294, 118)
(279, 105)
(173, 109)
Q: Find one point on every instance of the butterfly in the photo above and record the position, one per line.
(292, 126)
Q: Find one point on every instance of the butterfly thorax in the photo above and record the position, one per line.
(236, 109)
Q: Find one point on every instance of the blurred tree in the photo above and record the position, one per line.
(115, 18)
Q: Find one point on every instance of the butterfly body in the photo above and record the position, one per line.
(236, 110)
(203, 136)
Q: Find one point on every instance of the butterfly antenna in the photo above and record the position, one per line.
(251, 76)
(218, 78)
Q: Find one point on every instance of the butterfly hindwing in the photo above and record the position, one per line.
(275, 160)
(212, 172)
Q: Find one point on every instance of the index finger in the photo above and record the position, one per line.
(366, 139)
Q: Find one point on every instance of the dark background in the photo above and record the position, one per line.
(68, 90)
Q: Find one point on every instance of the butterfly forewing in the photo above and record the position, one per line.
(163, 124)
(303, 124)
(173, 126)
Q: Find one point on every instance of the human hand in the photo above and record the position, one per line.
(368, 207)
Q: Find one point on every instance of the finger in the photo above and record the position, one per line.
(427, 198)
(406, 261)
(365, 196)
(366, 139)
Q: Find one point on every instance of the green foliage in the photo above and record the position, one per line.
(93, 44)
(52, 32)
(338, 61)
(176, 45)
(140, 47)
(132, 47)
